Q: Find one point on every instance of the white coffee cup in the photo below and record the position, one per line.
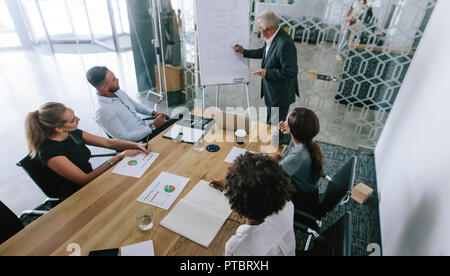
(240, 136)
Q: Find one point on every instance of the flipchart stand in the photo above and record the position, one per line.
(245, 86)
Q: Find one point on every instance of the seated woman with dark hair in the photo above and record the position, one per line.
(302, 159)
(260, 190)
(53, 137)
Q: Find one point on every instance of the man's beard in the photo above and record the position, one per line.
(113, 90)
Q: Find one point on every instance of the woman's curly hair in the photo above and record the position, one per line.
(257, 186)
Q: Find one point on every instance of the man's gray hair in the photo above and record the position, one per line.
(269, 19)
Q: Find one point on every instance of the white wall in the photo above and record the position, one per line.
(413, 153)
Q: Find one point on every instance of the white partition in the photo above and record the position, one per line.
(413, 153)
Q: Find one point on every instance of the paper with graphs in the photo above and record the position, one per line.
(135, 166)
(164, 190)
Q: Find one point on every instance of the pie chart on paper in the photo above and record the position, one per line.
(169, 188)
(132, 163)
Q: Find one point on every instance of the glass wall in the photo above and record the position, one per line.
(103, 23)
(351, 81)
(8, 35)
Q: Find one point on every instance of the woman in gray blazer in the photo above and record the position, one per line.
(302, 159)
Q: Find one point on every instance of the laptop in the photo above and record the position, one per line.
(189, 129)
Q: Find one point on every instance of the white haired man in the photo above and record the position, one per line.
(279, 68)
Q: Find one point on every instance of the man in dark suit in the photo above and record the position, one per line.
(279, 66)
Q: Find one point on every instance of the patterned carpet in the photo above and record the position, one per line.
(365, 218)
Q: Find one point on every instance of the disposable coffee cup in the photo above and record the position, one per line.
(240, 136)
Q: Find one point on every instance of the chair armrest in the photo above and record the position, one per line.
(300, 227)
(33, 212)
(326, 177)
(312, 234)
(104, 155)
(53, 202)
(307, 219)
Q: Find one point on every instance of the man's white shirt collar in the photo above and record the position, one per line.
(270, 40)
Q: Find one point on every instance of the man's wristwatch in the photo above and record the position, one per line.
(153, 127)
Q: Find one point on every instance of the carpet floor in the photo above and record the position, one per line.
(365, 218)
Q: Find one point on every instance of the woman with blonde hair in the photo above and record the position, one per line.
(54, 138)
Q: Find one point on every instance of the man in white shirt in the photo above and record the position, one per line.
(259, 189)
(118, 114)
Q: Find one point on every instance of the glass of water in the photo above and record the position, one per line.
(199, 146)
(144, 217)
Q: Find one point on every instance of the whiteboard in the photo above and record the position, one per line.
(221, 24)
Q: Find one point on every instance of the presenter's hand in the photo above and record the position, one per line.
(239, 49)
(261, 73)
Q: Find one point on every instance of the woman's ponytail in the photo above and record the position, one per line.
(317, 157)
(41, 124)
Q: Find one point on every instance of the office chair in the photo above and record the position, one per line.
(338, 192)
(335, 241)
(10, 223)
(55, 187)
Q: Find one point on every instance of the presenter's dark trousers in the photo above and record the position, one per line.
(273, 116)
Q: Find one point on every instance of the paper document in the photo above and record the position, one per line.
(234, 153)
(138, 249)
(164, 190)
(199, 215)
(189, 135)
(135, 166)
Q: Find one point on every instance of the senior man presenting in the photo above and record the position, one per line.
(279, 66)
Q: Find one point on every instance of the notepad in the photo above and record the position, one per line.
(199, 215)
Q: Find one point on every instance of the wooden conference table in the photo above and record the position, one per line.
(101, 215)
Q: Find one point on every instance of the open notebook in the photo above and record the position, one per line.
(199, 215)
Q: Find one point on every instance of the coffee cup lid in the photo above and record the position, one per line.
(240, 132)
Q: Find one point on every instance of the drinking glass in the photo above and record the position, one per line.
(144, 217)
(199, 146)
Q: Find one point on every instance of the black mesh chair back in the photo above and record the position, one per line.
(52, 184)
(336, 240)
(338, 189)
(10, 224)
